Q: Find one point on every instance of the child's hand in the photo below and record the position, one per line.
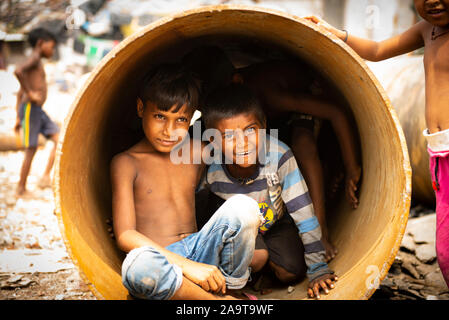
(206, 276)
(17, 126)
(352, 180)
(320, 22)
(325, 282)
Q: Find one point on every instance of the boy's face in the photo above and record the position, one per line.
(164, 129)
(435, 12)
(47, 47)
(240, 138)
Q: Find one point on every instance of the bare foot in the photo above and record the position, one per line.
(44, 182)
(20, 190)
(23, 193)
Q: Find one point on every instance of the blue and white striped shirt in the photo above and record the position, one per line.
(279, 188)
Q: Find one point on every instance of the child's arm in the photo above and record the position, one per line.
(408, 41)
(128, 238)
(20, 73)
(299, 205)
(299, 102)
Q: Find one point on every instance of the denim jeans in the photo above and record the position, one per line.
(227, 241)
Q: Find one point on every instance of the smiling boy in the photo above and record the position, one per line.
(432, 33)
(290, 238)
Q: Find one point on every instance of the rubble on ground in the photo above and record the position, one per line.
(415, 274)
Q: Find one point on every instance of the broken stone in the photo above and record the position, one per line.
(416, 286)
(408, 243)
(416, 293)
(424, 269)
(426, 252)
(408, 258)
(435, 279)
(16, 281)
(15, 278)
(401, 284)
(407, 265)
(422, 229)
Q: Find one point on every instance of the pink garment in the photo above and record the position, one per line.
(439, 172)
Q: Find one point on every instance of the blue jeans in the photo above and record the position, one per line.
(227, 241)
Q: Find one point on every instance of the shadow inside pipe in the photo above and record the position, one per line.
(124, 127)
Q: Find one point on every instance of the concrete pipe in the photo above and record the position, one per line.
(367, 238)
(404, 80)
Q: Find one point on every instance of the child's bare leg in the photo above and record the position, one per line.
(45, 180)
(282, 274)
(305, 150)
(25, 170)
(259, 260)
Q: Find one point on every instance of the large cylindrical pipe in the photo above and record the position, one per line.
(367, 238)
(404, 81)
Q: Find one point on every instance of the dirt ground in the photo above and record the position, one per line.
(34, 264)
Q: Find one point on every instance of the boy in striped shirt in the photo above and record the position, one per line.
(263, 168)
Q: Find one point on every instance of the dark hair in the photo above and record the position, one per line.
(40, 34)
(211, 66)
(230, 101)
(168, 85)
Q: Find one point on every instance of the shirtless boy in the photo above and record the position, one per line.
(154, 208)
(30, 99)
(432, 33)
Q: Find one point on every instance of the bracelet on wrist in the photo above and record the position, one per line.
(347, 35)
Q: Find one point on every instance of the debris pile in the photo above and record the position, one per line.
(415, 274)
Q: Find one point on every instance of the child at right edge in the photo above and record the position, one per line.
(432, 33)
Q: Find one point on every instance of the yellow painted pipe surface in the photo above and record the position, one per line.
(367, 238)
(404, 81)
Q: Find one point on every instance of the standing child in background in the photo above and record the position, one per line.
(30, 99)
(290, 238)
(432, 33)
